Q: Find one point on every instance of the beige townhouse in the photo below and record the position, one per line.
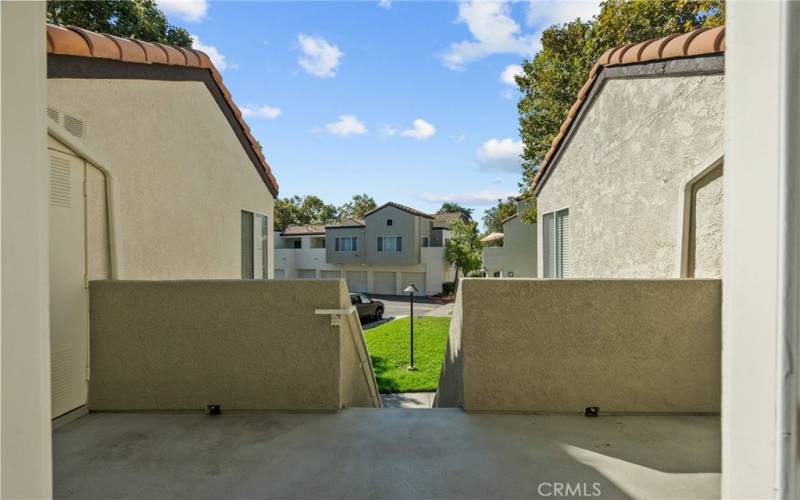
(154, 175)
(632, 185)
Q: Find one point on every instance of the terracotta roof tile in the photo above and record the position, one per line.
(699, 42)
(66, 42)
(74, 41)
(398, 206)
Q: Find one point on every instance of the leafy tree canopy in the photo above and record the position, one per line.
(463, 249)
(452, 207)
(302, 210)
(357, 207)
(140, 19)
(552, 78)
(493, 218)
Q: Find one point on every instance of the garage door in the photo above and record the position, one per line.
(357, 281)
(306, 273)
(280, 274)
(383, 283)
(330, 275)
(417, 278)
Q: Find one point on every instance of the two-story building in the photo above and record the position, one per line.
(391, 247)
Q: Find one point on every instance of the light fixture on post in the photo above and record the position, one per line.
(411, 289)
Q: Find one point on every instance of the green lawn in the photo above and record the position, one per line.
(388, 348)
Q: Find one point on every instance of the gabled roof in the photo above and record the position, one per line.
(301, 230)
(700, 42)
(399, 207)
(444, 220)
(74, 41)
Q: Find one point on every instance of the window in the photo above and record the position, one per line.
(298, 243)
(510, 274)
(556, 244)
(255, 246)
(348, 244)
(425, 241)
(389, 222)
(390, 243)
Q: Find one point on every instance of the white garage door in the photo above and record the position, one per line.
(306, 273)
(280, 274)
(357, 281)
(417, 278)
(330, 275)
(383, 283)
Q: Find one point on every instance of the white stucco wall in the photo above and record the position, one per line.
(181, 177)
(622, 173)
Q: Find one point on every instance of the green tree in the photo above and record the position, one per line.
(552, 78)
(357, 207)
(493, 218)
(463, 249)
(302, 210)
(140, 19)
(449, 207)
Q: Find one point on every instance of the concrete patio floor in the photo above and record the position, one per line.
(388, 453)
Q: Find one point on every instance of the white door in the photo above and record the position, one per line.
(307, 273)
(69, 311)
(383, 283)
(417, 278)
(330, 275)
(357, 281)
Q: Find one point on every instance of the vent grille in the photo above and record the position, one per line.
(54, 115)
(60, 183)
(61, 381)
(75, 126)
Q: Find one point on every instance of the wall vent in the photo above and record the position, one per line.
(54, 115)
(60, 377)
(75, 126)
(60, 183)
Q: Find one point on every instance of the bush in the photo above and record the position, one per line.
(448, 288)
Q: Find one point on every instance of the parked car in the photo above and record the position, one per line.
(366, 307)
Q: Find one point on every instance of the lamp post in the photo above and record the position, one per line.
(411, 289)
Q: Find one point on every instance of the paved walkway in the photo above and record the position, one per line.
(408, 400)
(384, 454)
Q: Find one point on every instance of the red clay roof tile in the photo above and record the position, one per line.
(74, 41)
(699, 42)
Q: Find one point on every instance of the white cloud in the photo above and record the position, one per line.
(188, 10)
(266, 112)
(544, 13)
(386, 4)
(482, 198)
(494, 31)
(500, 154)
(420, 131)
(508, 74)
(319, 58)
(346, 125)
(217, 57)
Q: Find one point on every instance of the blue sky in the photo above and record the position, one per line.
(406, 101)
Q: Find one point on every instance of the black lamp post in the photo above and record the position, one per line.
(411, 289)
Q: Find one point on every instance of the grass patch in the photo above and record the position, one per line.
(388, 348)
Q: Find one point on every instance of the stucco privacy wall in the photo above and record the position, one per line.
(180, 175)
(247, 345)
(622, 173)
(628, 346)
